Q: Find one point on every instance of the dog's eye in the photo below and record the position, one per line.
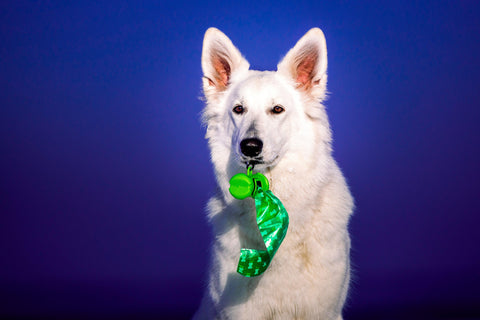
(277, 109)
(238, 109)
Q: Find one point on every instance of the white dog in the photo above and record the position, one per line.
(276, 121)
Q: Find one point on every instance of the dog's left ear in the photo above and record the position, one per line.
(220, 61)
(306, 64)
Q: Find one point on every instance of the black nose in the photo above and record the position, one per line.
(251, 147)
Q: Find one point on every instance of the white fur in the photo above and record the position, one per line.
(309, 275)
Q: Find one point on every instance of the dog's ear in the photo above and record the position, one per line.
(220, 59)
(306, 64)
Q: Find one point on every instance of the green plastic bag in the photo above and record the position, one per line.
(272, 221)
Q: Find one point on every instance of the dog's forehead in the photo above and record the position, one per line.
(262, 87)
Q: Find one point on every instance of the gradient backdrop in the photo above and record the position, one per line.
(104, 171)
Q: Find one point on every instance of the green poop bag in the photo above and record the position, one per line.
(272, 220)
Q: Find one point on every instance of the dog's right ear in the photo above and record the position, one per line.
(306, 64)
(220, 59)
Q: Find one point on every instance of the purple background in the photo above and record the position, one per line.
(105, 172)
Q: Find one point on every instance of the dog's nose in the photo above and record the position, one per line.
(251, 147)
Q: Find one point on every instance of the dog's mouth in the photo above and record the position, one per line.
(259, 162)
(252, 161)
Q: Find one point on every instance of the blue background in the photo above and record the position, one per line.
(105, 171)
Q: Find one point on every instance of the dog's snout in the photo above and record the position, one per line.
(251, 147)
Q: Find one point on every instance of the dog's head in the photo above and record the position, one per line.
(259, 117)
